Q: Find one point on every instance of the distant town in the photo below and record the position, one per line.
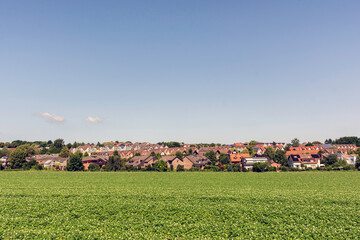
(338, 154)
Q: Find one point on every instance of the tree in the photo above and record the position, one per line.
(30, 165)
(160, 166)
(211, 156)
(316, 143)
(65, 153)
(18, 157)
(309, 144)
(93, 167)
(86, 154)
(260, 167)
(357, 164)
(251, 151)
(348, 140)
(253, 143)
(190, 151)
(152, 154)
(115, 163)
(236, 167)
(295, 142)
(59, 143)
(4, 152)
(280, 157)
(179, 155)
(328, 141)
(116, 153)
(270, 153)
(224, 158)
(331, 159)
(137, 154)
(287, 147)
(180, 168)
(75, 164)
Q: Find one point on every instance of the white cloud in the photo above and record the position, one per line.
(51, 117)
(93, 119)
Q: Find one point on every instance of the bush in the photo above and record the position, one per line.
(236, 168)
(347, 168)
(272, 169)
(284, 169)
(93, 167)
(260, 167)
(195, 169)
(212, 168)
(37, 167)
(75, 164)
(180, 168)
(160, 166)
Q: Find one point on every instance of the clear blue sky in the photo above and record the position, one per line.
(193, 71)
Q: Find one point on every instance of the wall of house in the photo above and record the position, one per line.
(185, 162)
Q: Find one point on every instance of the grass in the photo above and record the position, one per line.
(148, 205)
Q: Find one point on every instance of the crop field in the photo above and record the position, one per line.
(188, 205)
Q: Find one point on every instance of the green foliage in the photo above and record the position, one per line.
(31, 165)
(4, 152)
(180, 168)
(18, 157)
(253, 143)
(270, 153)
(93, 167)
(348, 140)
(116, 153)
(179, 155)
(295, 142)
(224, 158)
(309, 144)
(65, 153)
(59, 143)
(115, 163)
(75, 164)
(251, 151)
(236, 167)
(86, 154)
(260, 167)
(280, 157)
(137, 154)
(331, 159)
(170, 144)
(211, 156)
(160, 166)
(194, 169)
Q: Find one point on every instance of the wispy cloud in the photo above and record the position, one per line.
(93, 119)
(51, 117)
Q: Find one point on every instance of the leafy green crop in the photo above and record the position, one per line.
(179, 205)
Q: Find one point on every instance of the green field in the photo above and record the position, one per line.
(179, 205)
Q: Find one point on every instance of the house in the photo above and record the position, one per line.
(248, 162)
(303, 150)
(173, 160)
(236, 157)
(97, 160)
(142, 161)
(197, 160)
(149, 160)
(350, 159)
(302, 161)
(50, 161)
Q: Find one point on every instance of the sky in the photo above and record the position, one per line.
(192, 71)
